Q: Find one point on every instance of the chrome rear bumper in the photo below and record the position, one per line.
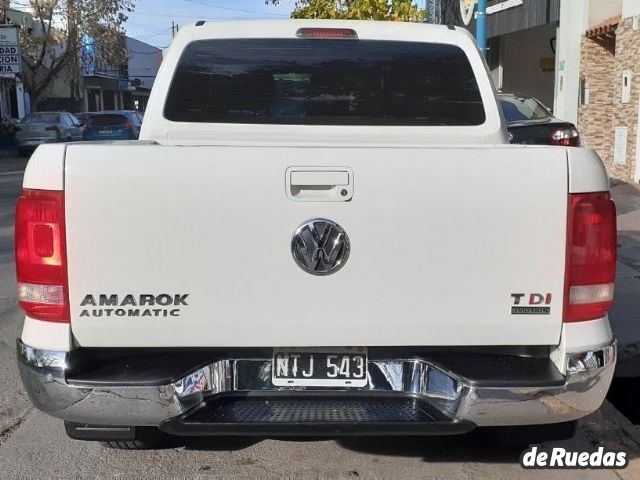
(589, 374)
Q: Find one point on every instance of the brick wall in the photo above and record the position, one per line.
(626, 114)
(595, 119)
(603, 61)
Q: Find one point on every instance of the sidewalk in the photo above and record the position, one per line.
(625, 315)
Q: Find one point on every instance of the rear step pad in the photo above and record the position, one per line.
(316, 413)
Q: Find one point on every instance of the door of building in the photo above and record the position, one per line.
(93, 100)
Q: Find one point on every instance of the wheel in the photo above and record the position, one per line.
(146, 438)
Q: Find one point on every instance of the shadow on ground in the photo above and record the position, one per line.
(476, 446)
(500, 445)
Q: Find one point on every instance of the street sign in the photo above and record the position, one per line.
(125, 85)
(10, 60)
(499, 7)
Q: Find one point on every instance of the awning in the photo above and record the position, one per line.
(604, 30)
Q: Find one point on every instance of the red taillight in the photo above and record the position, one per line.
(41, 257)
(591, 256)
(87, 124)
(52, 128)
(128, 125)
(566, 137)
(345, 33)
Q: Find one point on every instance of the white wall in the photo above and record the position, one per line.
(576, 16)
(144, 62)
(574, 19)
(630, 8)
(601, 10)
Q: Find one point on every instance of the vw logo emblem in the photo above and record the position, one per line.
(320, 247)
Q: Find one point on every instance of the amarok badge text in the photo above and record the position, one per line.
(113, 305)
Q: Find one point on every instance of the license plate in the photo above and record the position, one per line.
(106, 132)
(320, 367)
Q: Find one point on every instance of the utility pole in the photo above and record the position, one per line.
(481, 26)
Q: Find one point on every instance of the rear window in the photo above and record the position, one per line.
(324, 82)
(103, 120)
(517, 109)
(41, 118)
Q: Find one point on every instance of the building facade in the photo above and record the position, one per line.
(93, 84)
(582, 57)
(144, 63)
(107, 87)
(14, 101)
(102, 84)
(608, 92)
(521, 47)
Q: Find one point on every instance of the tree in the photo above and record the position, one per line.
(53, 43)
(4, 8)
(398, 10)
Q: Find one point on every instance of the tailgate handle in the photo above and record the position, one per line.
(319, 178)
(320, 184)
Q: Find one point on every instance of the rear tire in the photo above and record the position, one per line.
(147, 438)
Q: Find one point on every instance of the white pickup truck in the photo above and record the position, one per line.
(322, 231)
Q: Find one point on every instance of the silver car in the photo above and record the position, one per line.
(46, 127)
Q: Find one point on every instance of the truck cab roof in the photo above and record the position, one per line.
(162, 128)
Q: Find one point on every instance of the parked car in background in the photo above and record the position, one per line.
(84, 116)
(46, 127)
(530, 122)
(113, 125)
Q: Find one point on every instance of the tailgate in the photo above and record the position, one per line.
(191, 246)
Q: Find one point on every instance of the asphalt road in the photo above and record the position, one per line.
(13, 401)
(33, 445)
(625, 315)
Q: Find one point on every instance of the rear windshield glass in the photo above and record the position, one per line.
(324, 82)
(517, 109)
(102, 120)
(41, 118)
